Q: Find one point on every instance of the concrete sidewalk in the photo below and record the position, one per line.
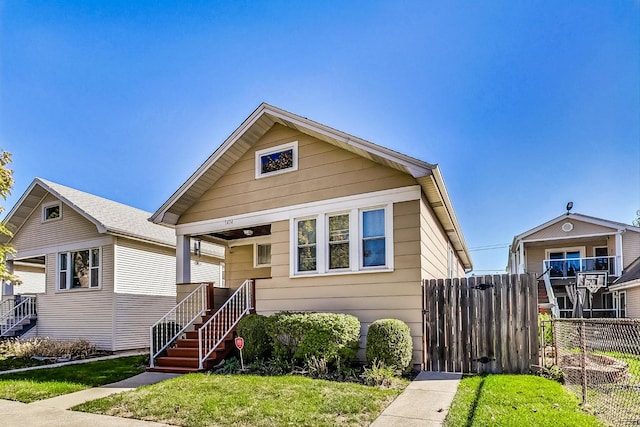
(70, 400)
(53, 412)
(425, 402)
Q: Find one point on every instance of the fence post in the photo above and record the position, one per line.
(583, 361)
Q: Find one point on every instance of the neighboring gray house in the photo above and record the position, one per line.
(94, 268)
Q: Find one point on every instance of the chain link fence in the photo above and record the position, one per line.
(600, 362)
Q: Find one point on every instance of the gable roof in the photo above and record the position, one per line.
(108, 216)
(618, 226)
(630, 277)
(263, 118)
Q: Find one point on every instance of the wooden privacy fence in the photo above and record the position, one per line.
(480, 324)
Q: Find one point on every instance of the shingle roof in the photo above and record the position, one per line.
(630, 274)
(113, 217)
(108, 216)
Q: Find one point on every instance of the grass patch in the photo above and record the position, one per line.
(8, 363)
(41, 384)
(515, 400)
(248, 400)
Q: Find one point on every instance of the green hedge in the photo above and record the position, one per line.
(257, 343)
(299, 336)
(389, 341)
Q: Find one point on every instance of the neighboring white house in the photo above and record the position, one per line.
(99, 269)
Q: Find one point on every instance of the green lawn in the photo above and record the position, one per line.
(515, 400)
(44, 383)
(9, 363)
(247, 400)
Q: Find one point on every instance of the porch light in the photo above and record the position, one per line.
(248, 232)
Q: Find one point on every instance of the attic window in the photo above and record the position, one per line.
(51, 212)
(277, 160)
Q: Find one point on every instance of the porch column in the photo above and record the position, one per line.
(619, 259)
(183, 259)
(521, 264)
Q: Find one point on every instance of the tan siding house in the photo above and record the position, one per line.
(324, 221)
(107, 272)
(580, 260)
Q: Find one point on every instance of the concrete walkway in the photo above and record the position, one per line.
(53, 412)
(425, 402)
(70, 400)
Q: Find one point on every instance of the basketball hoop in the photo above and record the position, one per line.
(592, 281)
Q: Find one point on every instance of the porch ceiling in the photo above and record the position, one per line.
(243, 233)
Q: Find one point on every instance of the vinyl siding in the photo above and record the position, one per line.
(630, 247)
(368, 296)
(144, 269)
(82, 313)
(633, 302)
(324, 172)
(580, 228)
(135, 313)
(434, 245)
(240, 266)
(33, 280)
(35, 234)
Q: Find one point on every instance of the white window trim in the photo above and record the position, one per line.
(581, 249)
(50, 205)
(293, 145)
(69, 277)
(600, 247)
(255, 254)
(616, 303)
(353, 231)
(355, 245)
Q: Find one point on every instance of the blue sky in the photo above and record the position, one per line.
(524, 105)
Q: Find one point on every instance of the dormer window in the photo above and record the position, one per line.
(51, 211)
(277, 160)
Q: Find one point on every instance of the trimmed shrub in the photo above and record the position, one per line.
(257, 343)
(389, 342)
(329, 336)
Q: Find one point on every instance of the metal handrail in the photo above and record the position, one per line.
(215, 330)
(183, 315)
(25, 309)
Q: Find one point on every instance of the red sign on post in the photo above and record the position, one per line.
(239, 343)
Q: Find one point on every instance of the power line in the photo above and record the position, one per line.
(489, 247)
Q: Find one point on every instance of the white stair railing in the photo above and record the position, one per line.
(553, 302)
(21, 312)
(173, 324)
(219, 326)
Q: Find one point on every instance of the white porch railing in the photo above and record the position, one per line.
(11, 319)
(568, 267)
(176, 321)
(215, 330)
(553, 302)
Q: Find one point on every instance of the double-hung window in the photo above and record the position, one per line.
(307, 245)
(338, 242)
(79, 269)
(373, 238)
(349, 241)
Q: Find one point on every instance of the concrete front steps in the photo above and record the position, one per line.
(21, 328)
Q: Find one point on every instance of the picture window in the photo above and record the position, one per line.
(277, 160)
